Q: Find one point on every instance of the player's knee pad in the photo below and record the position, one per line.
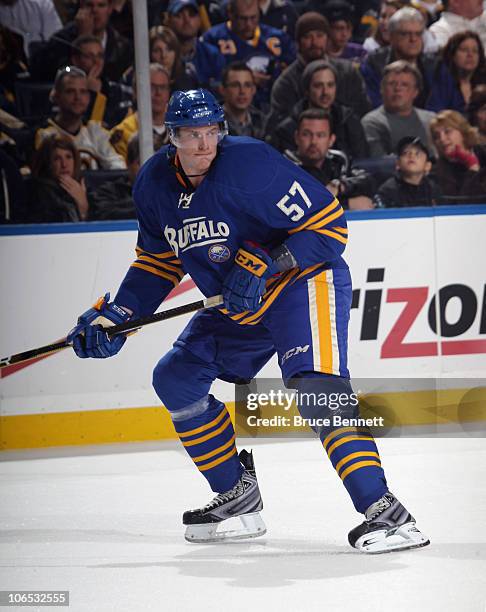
(324, 400)
(181, 379)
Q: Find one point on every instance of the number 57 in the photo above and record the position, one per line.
(293, 210)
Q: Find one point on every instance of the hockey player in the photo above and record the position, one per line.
(200, 200)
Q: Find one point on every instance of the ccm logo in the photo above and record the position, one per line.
(294, 351)
(251, 263)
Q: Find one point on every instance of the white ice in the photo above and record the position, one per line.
(105, 524)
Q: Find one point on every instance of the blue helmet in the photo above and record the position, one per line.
(196, 107)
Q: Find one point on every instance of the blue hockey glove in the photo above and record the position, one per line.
(89, 338)
(244, 286)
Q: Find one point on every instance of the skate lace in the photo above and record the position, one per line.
(377, 508)
(222, 498)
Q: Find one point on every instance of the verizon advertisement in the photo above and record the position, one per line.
(419, 309)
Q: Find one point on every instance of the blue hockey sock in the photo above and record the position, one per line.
(209, 439)
(352, 450)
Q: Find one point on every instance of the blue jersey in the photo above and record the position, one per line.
(269, 51)
(251, 192)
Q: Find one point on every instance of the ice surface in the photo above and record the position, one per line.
(106, 525)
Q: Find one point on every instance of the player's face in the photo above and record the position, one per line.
(91, 56)
(413, 161)
(447, 138)
(399, 92)
(62, 163)
(161, 54)
(407, 40)
(312, 45)
(239, 89)
(185, 23)
(244, 19)
(340, 33)
(100, 11)
(313, 140)
(197, 147)
(160, 91)
(466, 57)
(73, 97)
(322, 89)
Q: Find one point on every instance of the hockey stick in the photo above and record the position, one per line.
(215, 300)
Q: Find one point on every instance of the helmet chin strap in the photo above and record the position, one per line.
(202, 174)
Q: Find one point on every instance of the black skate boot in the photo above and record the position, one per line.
(388, 526)
(232, 515)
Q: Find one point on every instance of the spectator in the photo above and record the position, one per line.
(71, 96)
(113, 199)
(381, 36)
(311, 34)
(12, 68)
(109, 100)
(34, 20)
(476, 111)
(201, 61)
(340, 15)
(165, 49)
(463, 58)
(461, 167)
(58, 193)
(319, 79)
(280, 14)
(460, 15)
(238, 89)
(160, 93)
(406, 29)
(314, 138)
(266, 50)
(397, 117)
(13, 195)
(411, 185)
(93, 19)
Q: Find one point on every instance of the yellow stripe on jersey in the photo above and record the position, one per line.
(162, 265)
(164, 255)
(341, 230)
(332, 235)
(157, 272)
(323, 222)
(319, 215)
(357, 466)
(341, 430)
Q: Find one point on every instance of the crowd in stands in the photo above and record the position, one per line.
(383, 101)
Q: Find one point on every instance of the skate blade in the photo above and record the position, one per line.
(405, 537)
(235, 528)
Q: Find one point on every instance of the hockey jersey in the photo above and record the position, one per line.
(251, 192)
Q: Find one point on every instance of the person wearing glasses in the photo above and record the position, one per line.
(406, 30)
(266, 50)
(246, 223)
(109, 100)
(238, 89)
(70, 96)
(159, 94)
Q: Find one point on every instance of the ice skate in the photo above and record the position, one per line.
(388, 527)
(232, 515)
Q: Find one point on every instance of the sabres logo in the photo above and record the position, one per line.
(219, 253)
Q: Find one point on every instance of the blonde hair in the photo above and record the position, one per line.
(453, 119)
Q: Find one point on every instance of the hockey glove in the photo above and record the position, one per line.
(244, 286)
(89, 338)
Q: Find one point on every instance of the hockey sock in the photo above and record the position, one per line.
(209, 439)
(352, 450)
